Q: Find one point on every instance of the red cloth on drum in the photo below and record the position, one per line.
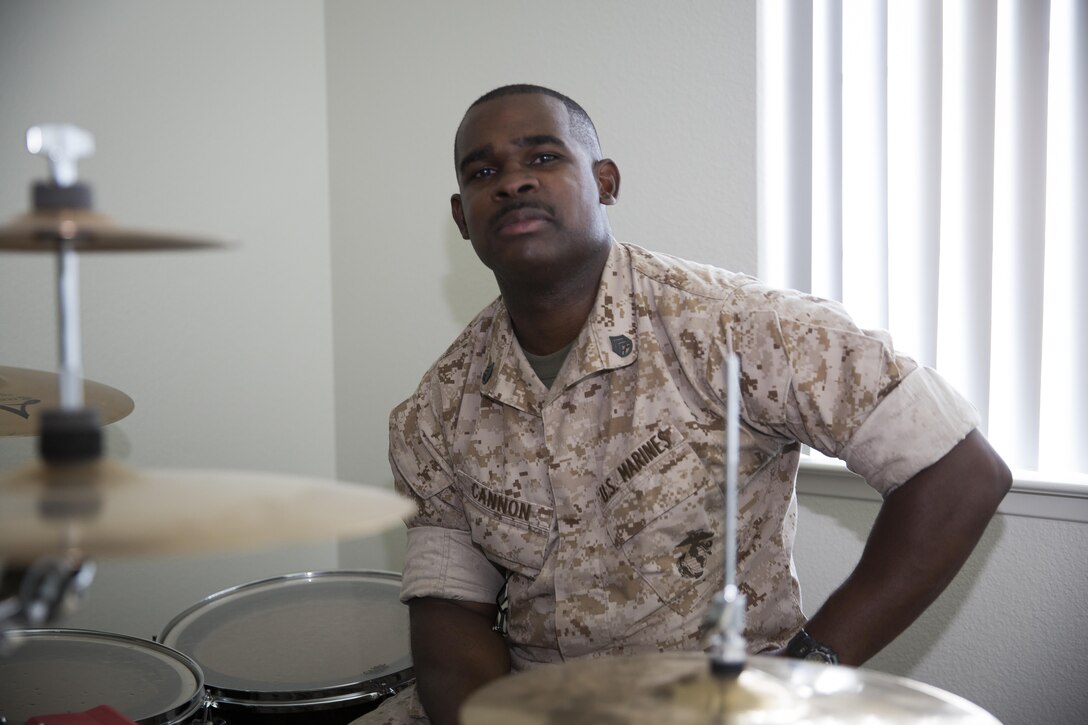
(101, 715)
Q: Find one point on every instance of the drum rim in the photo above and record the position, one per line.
(355, 691)
(172, 716)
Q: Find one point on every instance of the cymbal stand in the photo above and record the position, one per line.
(723, 622)
(72, 433)
(51, 587)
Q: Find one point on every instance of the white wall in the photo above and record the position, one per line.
(209, 119)
(215, 118)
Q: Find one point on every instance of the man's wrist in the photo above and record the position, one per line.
(804, 647)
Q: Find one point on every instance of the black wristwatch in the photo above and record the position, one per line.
(804, 647)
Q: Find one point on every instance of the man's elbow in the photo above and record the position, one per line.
(990, 476)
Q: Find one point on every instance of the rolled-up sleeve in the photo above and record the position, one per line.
(444, 563)
(919, 421)
(441, 559)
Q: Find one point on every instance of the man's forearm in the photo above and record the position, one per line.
(923, 534)
(454, 652)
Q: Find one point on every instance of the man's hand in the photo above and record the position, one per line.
(923, 534)
(454, 652)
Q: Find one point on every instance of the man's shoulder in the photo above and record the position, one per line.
(746, 294)
(474, 333)
(451, 368)
(684, 276)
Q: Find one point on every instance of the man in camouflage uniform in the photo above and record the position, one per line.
(566, 452)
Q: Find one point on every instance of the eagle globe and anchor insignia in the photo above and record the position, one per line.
(692, 554)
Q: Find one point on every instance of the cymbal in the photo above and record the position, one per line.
(25, 393)
(679, 689)
(106, 508)
(42, 230)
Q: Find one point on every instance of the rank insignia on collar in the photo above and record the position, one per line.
(487, 372)
(621, 345)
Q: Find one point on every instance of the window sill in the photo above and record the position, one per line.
(1033, 494)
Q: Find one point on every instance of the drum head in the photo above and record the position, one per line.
(71, 670)
(314, 637)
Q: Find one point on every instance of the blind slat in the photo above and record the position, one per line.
(914, 174)
(1063, 429)
(827, 149)
(963, 326)
(864, 171)
(1019, 229)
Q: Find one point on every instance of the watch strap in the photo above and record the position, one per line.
(804, 647)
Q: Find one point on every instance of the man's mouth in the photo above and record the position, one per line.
(521, 219)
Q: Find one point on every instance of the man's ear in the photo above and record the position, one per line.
(458, 215)
(608, 181)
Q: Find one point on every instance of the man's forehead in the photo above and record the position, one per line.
(512, 117)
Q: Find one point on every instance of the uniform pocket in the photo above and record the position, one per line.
(667, 521)
(512, 532)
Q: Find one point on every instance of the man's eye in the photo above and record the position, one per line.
(544, 158)
(482, 173)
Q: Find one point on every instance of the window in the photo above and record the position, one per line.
(926, 163)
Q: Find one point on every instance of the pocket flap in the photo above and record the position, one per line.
(657, 489)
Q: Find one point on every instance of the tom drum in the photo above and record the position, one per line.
(313, 647)
(54, 671)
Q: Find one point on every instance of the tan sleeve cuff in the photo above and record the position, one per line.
(922, 419)
(444, 563)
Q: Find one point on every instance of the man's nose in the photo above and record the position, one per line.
(515, 182)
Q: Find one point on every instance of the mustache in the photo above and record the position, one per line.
(514, 206)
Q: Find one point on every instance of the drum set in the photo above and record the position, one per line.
(310, 647)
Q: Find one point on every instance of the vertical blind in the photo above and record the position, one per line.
(926, 163)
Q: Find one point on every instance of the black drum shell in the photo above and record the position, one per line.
(337, 715)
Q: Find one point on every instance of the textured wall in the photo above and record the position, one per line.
(1008, 633)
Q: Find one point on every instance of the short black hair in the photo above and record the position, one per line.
(581, 123)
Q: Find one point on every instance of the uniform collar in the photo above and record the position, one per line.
(607, 341)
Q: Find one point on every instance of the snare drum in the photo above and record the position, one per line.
(54, 671)
(313, 647)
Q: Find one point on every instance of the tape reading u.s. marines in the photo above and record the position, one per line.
(639, 459)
